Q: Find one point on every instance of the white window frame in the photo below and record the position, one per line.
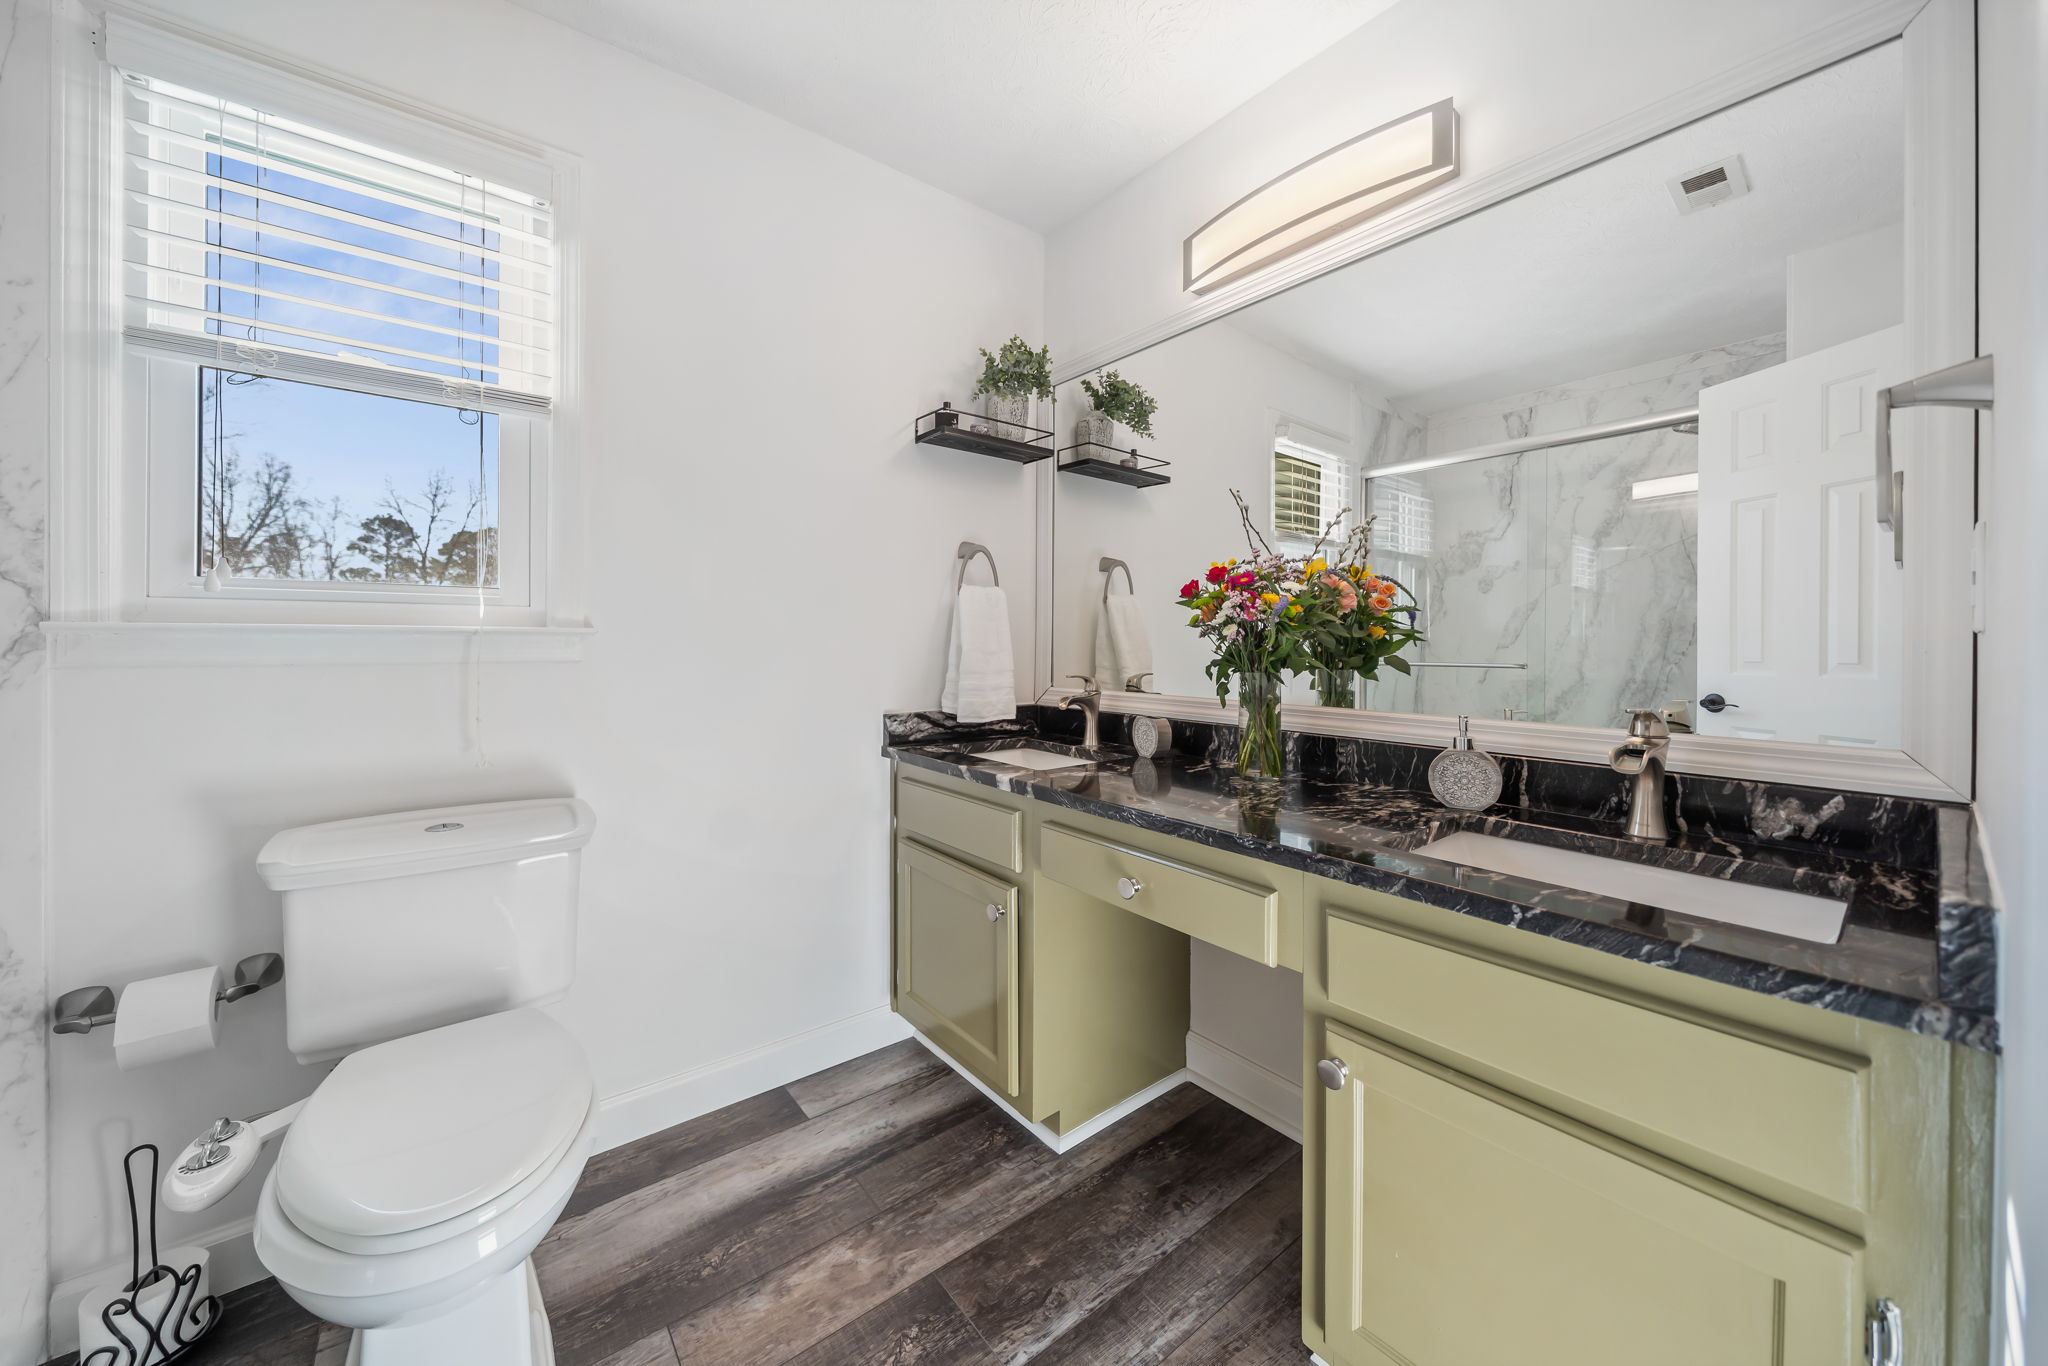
(124, 496)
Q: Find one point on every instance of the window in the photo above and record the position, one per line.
(1310, 489)
(1403, 517)
(340, 359)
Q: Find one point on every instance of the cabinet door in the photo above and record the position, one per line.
(1463, 1227)
(956, 961)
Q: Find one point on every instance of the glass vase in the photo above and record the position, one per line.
(1260, 746)
(1335, 688)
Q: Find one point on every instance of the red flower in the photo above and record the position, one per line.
(1216, 573)
(1190, 588)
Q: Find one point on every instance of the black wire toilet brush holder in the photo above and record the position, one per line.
(159, 1316)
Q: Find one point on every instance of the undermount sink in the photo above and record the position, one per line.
(1814, 918)
(1019, 756)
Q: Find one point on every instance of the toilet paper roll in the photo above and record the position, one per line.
(160, 1018)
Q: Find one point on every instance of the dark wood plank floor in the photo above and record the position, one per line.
(883, 1213)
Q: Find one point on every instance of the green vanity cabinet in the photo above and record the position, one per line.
(1521, 1150)
(957, 973)
(1467, 1226)
(1062, 1004)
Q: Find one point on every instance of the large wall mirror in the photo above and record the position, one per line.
(1729, 295)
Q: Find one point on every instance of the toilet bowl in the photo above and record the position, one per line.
(421, 1174)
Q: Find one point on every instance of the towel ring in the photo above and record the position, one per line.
(1109, 568)
(968, 550)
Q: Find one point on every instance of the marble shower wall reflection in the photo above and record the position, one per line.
(1547, 559)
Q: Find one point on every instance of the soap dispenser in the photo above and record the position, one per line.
(1464, 778)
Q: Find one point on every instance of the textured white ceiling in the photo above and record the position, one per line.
(1598, 271)
(1035, 109)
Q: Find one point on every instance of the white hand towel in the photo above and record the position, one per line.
(981, 682)
(1123, 650)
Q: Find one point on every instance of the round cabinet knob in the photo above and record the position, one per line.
(1333, 1073)
(1128, 887)
(994, 911)
(1714, 702)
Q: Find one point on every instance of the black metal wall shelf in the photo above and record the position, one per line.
(1119, 467)
(947, 426)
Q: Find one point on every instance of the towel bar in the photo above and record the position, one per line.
(968, 550)
(1109, 568)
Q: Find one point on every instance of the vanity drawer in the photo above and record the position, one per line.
(1219, 910)
(1674, 1084)
(981, 830)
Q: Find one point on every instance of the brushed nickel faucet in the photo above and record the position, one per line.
(1089, 700)
(1641, 756)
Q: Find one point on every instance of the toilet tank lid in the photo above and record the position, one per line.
(405, 842)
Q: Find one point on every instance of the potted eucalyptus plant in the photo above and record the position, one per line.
(1010, 379)
(1114, 403)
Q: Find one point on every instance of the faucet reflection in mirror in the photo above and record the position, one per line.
(1269, 615)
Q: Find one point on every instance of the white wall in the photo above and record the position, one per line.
(2012, 653)
(725, 722)
(1844, 290)
(1526, 78)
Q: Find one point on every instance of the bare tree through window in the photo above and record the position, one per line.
(261, 517)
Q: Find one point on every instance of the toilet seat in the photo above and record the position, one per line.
(380, 1290)
(425, 1166)
(416, 1141)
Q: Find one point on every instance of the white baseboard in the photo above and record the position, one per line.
(230, 1264)
(658, 1105)
(1259, 1091)
(622, 1118)
(1081, 1133)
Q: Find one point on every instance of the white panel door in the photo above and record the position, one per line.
(1799, 601)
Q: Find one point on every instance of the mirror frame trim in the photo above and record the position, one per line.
(1940, 724)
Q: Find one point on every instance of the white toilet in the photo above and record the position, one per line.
(418, 1178)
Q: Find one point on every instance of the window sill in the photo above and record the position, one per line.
(132, 644)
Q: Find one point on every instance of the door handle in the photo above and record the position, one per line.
(1967, 385)
(1884, 1335)
(1714, 702)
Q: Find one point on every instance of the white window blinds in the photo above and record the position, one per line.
(270, 246)
(1311, 489)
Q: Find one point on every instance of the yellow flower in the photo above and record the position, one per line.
(1316, 566)
(1377, 631)
(1295, 610)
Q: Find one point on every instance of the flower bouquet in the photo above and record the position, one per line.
(1375, 620)
(1268, 615)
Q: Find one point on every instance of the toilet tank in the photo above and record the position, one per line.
(400, 923)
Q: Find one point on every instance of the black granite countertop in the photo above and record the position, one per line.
(1917, 949)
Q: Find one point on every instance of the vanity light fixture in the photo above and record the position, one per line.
(1325, 195)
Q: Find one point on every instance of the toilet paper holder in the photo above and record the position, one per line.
(87, 1008)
